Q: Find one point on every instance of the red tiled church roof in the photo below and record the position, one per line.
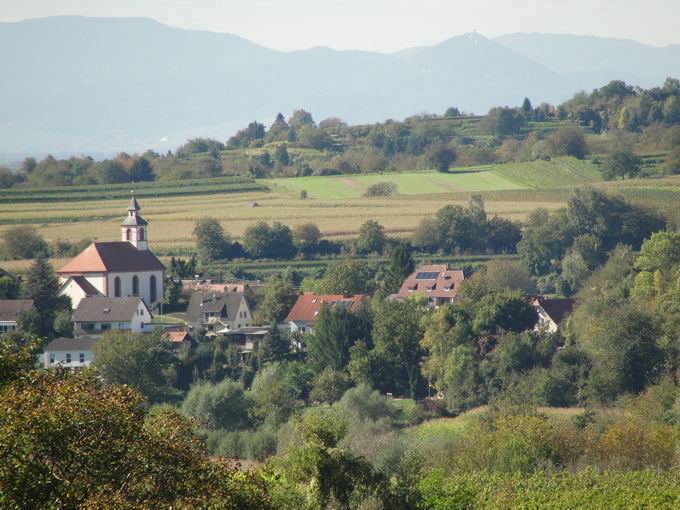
(117, 256)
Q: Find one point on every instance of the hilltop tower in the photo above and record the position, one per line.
(134, 227)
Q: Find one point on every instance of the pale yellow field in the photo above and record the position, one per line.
(172, 219)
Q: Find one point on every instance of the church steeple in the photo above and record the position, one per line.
(134, 227)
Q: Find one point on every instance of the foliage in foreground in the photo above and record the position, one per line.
(67, 440)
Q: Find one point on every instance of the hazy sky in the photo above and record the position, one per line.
(380, 25)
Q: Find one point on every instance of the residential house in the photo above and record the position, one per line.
(245, 339)
(209, 285)
(305, 312)
(96, 315)
(437, 283)
(78, 287)
(218, 312)
(177, 338)
(551, 312)
(10, 309)
(70, 352)
(125, 268)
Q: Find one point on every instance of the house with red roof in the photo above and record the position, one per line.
(117, 269)
(304, 314)
(437, 283)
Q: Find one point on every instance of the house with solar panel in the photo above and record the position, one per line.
(437, 283)
(304, 314)
(117, 269)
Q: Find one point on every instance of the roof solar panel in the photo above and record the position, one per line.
(345, 302)
(427, 275)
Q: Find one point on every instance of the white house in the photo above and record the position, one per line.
(96, 315)
(125, 268)
(70, 352)
(551, 312)
(10, 309)
(218, 312)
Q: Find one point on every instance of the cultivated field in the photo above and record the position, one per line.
(334, 203)
(509, 176)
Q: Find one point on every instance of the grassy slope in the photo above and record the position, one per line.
(409, 183)
(511, 176)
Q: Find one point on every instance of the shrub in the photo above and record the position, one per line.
(381, 189)
(439, 493)
(515, 444)
(330, 385)
(242, 444)
(24, 242)
(526, 443)
(632, 445)
(567, 141)
(364, 403)
(218, 406)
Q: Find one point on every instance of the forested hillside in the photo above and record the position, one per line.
(623, 131)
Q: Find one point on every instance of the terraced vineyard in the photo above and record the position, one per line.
(549, 174)
(142, 189)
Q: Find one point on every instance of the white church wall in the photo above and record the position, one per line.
(144, 284)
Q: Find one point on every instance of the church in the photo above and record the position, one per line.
(125, 268)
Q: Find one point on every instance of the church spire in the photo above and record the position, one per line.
(134, 205)
(134, 227)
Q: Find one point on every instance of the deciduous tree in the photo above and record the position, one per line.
(211, 239)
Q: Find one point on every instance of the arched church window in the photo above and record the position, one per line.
(127, 234)
(135, 286)
(152, 286)
(141, 234)
(116, 287)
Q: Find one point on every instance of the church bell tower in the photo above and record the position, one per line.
(134, 227)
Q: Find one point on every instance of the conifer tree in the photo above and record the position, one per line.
(43, 289)
(401, 265)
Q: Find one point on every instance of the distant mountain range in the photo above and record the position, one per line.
(102, 85)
